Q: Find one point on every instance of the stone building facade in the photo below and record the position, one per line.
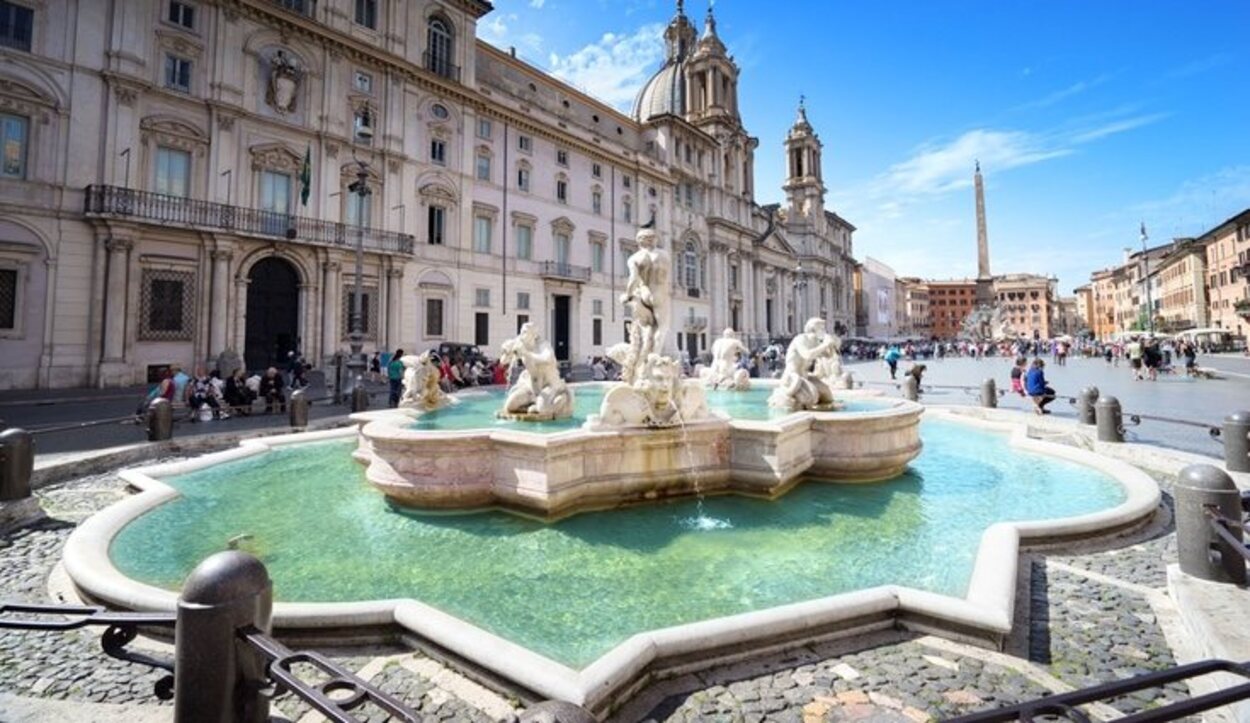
(183, 177)
(1228, 273)
(950, 302)
(1178, 288)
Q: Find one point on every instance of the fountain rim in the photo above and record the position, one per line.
(984, 614)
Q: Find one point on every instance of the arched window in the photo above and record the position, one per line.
(690, 267)
(438, 48)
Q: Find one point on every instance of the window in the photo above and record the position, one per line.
(521, 320)
(17, 24)
(483, 128)
(438, 48)
(626, 182)
(438, 152)
(690, 266)
(182, 14)
(363, 82)
(562, 191)
(481, 328)
(596, 202)
(367, 13)
(357, 210)
(166, 309)
(368, 312)
(524, 244)
(523, 300)
(596, 307)
(481, 234)
(562, 157)
(173, 172)
(436, 220)
(563, 248)
(596, 331)
(440, 111)
(13, 135)
(525, 143)
(481, 297)
(523, 179)
(733, 277)
(596, 170)
(483, 167)
(629, 211)
(596, 257)
(178, 73)
(275, 192)
(433, 317)
(8, 299)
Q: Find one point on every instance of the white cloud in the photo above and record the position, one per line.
(614, 68)
(537, 4)
(1110, 129)
(938, 169)
(1198, 203)
(1065, 93)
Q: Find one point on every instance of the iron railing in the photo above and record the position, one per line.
(102, 200)
(1223, 526)
(441, 65)
(561, 270)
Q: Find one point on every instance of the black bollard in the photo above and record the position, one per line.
(1085, 405)
(160, 420)
(1109, 420)
(218, 677)
(17, 463)
(989, 394)
(1236, 436)
(297, 409)
(360, 397)
(1202, 552)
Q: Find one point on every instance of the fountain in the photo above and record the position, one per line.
(539, 394)
(803, 386)
(421, 389)
(725, 372)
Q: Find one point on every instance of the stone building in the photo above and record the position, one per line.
(183, 177)
(1228, 273)
(1178, 288)
(950, 302)
(912, 295)
(1028, 304)
(878, 300)
(1084, 296)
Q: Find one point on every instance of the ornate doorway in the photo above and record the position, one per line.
(272, 313)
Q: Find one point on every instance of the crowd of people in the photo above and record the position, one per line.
(206, 395)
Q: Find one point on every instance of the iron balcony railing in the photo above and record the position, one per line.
(560, 270)
(439, 64)
(177, 211)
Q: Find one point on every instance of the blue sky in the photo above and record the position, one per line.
(1089, 117)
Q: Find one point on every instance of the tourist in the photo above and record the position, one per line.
(164, 389)
(598, 372)
(1037, 388)
(375, 367)
(272, 388)
(181, 379)
(891, 360)
(499, 374)
(395, 376)
(1017, 375)
(444, 375)
(237, 394)
(1190, 355)
(202, 393)
(1134, 352)
(1152, 358)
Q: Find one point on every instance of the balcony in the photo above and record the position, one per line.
(564, 272)
(694, 323)
(174, 211)
(440, 65)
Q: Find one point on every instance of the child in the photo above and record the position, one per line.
(1017, 376)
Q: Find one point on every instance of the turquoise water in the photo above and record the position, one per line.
(477, 409)
(574, 589)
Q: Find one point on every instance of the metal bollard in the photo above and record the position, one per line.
(1236, 436)
(1203, 553)
(1085, 405)
(360, 397)
(1109, 420)
(297, 409)
(911, 388)
(989, 394)
(160, 420)
(218, 677)
(17, 463)
(556, 711)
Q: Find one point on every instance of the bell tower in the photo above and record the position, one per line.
(805, 190)
(712, 77)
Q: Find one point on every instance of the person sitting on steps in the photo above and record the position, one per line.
(1039, 391)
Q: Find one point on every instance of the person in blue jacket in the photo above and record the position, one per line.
(1037, 388)
(891, 359)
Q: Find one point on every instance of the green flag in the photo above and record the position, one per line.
(305, 176)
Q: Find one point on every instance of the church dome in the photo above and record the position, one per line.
(665, 92)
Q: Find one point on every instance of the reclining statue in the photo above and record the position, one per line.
(538, 393)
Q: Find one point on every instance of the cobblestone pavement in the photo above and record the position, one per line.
(1091, 614)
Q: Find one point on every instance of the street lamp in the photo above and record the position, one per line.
(356, 362)
(800, 292)
(1145, 260)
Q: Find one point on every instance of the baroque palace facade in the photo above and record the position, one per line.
(182, 177)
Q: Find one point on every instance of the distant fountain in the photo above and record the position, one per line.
(986, 323)
(803, 386)
(725, 372)
(652, 392)
(539, 394)
(421, 390)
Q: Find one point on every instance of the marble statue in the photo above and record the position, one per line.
(724, 372)
(538, 393)
(284, 80)
(829, 366)
(421, 390)
(986, 323)
(649, 298)
(802, 386)
(659, 397)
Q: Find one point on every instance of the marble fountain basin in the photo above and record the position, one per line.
(462, 457)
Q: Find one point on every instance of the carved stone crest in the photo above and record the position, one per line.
(284, 81)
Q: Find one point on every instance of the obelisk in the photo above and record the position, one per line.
(985, 282)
